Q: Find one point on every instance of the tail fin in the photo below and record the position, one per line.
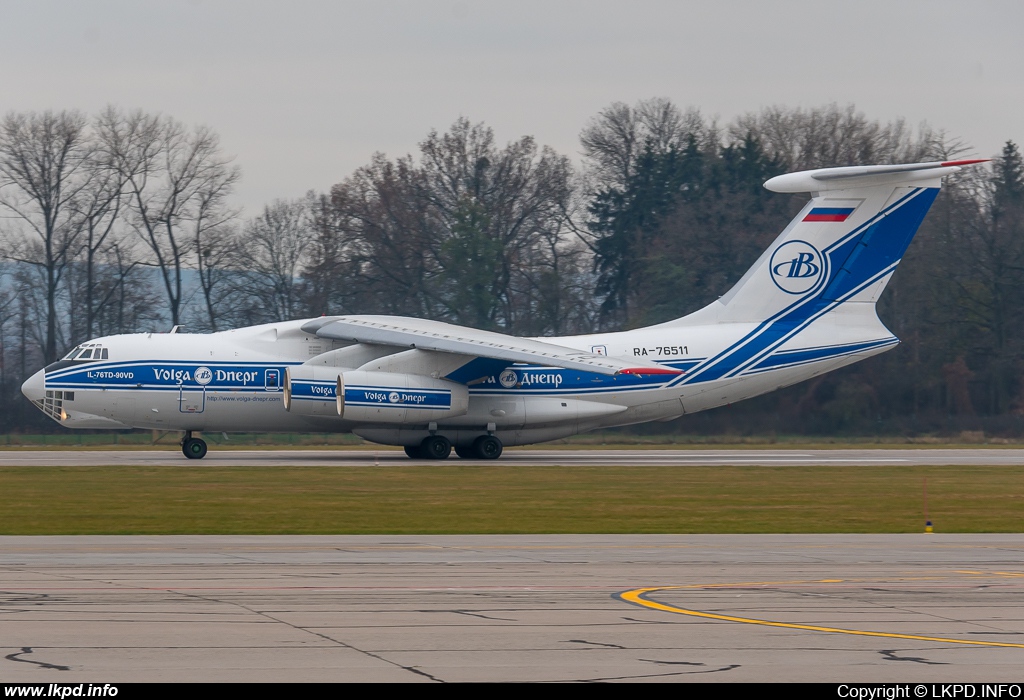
(843, 245)
(825, 271)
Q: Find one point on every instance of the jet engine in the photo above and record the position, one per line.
(311, 390)
(372, 397)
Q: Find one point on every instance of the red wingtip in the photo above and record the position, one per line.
(650, 370)
(950, 163)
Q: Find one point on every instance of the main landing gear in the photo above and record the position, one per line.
(439, 447)
(486, 447)
(432, 447)
(193, 447)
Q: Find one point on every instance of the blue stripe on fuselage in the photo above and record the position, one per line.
(160, 375)
(805, 355)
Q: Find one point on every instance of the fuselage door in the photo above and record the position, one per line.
(191, 400)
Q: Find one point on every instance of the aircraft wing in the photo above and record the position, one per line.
(407, 332)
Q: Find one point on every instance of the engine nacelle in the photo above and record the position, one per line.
(311, 390)
(372, 397)
(386, 397)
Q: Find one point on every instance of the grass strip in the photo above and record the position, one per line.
(447, 498)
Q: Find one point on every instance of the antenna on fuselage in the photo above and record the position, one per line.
(175, 329)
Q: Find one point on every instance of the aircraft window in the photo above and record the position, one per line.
(53, 404)
(90, 351)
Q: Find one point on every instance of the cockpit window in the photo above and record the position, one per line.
(88, 351)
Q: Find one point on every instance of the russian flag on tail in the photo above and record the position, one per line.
(832, 214)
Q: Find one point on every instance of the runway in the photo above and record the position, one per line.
(513, 608)
(511, 457)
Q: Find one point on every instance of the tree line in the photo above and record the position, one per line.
(123, 222)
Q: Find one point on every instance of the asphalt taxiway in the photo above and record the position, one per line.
(513, 608)
(507, 608)
(587, 457)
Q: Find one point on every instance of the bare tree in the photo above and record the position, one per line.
(127, 301)
(663, 125)
(43, 171)
(466, 232)
(833, 135)
(7, 316)
(98, 207)
(277, 246)
(176, 182)
(498, 202)
(380, 228)
(611, 141)
(215, 250)
(614, 140)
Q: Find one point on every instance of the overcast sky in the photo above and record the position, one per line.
(302, 93)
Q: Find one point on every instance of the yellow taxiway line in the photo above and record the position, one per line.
(639, 596)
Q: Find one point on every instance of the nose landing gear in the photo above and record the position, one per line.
(193, 447)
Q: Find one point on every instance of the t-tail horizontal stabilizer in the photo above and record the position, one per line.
(865, 176)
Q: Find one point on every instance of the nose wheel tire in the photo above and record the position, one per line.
(487, 447)
(194, 448)
(436, 447)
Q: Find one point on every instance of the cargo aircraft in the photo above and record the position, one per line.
(807, 306)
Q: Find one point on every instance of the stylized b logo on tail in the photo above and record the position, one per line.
(796, 267)
(802, 265)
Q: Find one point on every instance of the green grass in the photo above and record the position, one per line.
(437, 498)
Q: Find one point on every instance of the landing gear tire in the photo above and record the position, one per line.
(487, 447)
(436, 447)
(413, 452)
(193, 448)
(465, 451)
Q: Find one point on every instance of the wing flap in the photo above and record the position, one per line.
(445, 337)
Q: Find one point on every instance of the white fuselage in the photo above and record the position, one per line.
(234, 381)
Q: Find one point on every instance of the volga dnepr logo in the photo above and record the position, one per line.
(204, 375)
(508, 379)
(796, 267)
